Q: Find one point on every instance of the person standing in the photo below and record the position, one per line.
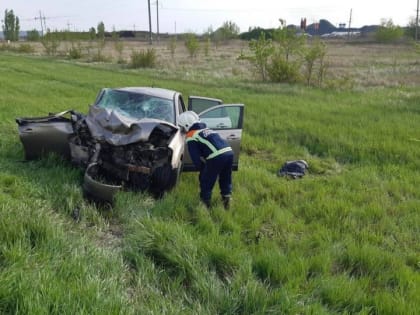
(211, 155)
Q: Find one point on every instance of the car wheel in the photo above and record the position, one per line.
(160, 179)
(174, 178)
(164, 179)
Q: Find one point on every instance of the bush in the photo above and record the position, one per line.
(119, 47)
(51, 43)
(206, 48)
(417, 48)
(143, 59)
(22, 48)
(282, 70)
(287, 58)
(262, 49)
(33, 36)
(314, 57)
(98, 56)
(192, 45)
(388, 32)
(25, 48)
(75, 52)
(172, 46)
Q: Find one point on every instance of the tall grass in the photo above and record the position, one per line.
(143, 59)
(344, 239)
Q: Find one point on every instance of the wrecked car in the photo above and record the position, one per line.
(129, 139)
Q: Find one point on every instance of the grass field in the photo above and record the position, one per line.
(345, 239)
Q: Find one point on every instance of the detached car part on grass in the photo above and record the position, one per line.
(129, 139)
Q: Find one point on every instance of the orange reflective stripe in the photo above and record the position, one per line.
(191, 133)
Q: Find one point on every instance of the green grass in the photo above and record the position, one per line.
(345, 239)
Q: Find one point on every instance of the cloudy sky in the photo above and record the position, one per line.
(198, 15)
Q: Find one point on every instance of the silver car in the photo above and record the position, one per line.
(130, 138)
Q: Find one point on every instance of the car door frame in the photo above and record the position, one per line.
(211, 102)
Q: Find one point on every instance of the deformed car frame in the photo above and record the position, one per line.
(129, 138)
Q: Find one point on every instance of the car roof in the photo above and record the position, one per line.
(152, 91)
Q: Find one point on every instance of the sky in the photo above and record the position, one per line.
(199, 15)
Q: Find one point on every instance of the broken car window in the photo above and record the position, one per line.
(137, 105)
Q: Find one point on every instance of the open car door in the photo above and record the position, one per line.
(227, 120)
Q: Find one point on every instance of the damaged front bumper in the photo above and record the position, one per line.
(96, 189)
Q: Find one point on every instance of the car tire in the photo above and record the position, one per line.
(160, 179)
(175, 177)
(164, 179)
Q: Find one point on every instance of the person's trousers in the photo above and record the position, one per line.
(219, 166)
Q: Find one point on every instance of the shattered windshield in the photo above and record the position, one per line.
(137, 105)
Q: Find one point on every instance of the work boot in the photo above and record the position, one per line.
(226, 202)
(206, 202)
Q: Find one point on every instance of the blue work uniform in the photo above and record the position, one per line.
(213, 157)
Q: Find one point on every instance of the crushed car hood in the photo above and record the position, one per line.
(117, 129)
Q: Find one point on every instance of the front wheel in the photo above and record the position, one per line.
(174, 177)
(165, 178)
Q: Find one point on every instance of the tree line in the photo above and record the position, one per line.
(387, 31)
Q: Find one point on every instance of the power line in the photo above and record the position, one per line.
(42, 19)
(248, 10)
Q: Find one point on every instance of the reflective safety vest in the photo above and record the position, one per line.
(210, 143)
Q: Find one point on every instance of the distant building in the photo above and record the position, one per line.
(341, 34)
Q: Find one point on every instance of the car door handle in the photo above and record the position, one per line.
(232, 137)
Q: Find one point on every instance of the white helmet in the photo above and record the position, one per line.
(187, 119)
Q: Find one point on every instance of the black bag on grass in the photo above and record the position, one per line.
(294, 169)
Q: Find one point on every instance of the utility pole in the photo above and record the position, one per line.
(150, 23)
(417, 21)
(40, 19)
(157, 20)
(348, 34)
